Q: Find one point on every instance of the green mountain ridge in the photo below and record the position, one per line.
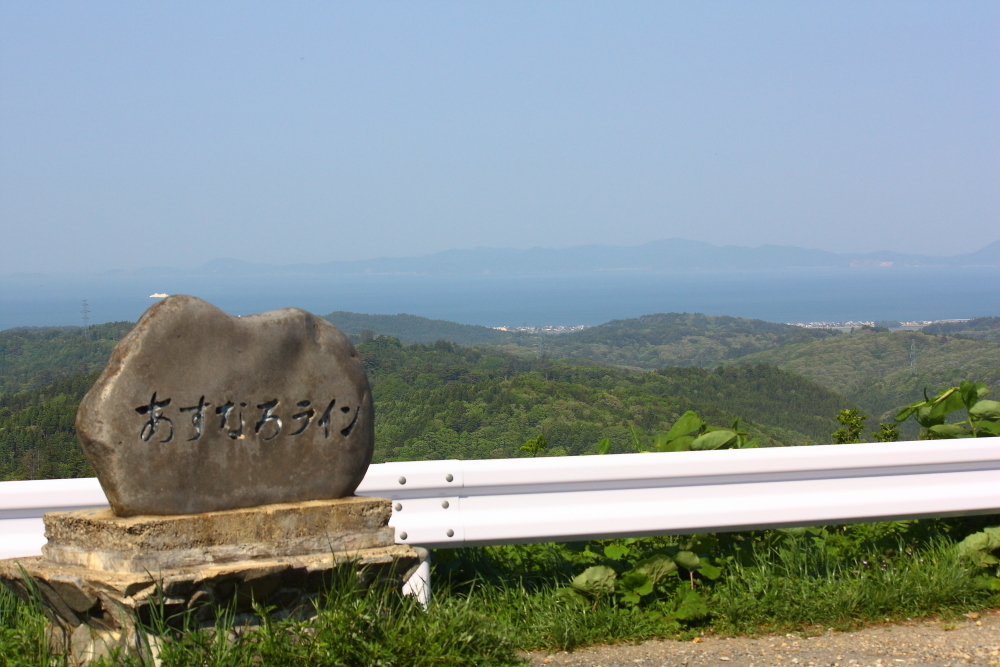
(413, 328)
(457, 402)
(872, 368)
(677, 339)
(980, 328)
(451, 401)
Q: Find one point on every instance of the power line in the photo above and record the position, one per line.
(85, 312)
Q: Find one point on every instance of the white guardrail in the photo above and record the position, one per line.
(460, 503)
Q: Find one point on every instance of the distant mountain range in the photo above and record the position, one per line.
(665, 255)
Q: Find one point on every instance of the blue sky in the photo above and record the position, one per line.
(150, 134)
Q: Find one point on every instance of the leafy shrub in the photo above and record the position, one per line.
(982, 416)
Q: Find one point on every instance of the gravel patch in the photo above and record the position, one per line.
(974, 640)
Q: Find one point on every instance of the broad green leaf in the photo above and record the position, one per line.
(689, 421)
(988, 429)
(972, 391)
(924, 419)
(700, 543)
(636, 582)
(691, 606)
(631, 599)
(604, 446)
(681, 444)
(941, 395)
(656, 567)
(980, 547)
(950, 431)
(949, 401)
(909, 410)
(713, 439)
(687, 559)
(616, 551)
(596, 580)
(985, 410)
(710, 571)
(660, 442)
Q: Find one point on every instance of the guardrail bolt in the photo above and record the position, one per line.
(402, 536)
(450, 533)
(402, 480)
(398, 507)
(444, 504)
(448, 478)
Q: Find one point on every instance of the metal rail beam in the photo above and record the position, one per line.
(632, 495)
(460, 503)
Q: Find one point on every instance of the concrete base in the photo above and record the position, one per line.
(103, 577)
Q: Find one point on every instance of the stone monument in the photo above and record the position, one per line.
(229, 449)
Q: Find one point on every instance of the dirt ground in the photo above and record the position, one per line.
(974, 640)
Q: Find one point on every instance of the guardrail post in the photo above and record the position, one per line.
(419, 583)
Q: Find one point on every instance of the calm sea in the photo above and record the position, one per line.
(493, 300)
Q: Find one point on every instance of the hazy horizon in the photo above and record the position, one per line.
(214, 260)
(170, 134)
(795, 295)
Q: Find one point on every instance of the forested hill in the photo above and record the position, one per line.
(677, 339)
(450, 401)
(37, 434)
(981, 328)
(30, 358)
(413, 329)
(33, 358)
(872, 368)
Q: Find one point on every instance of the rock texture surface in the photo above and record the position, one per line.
(199, 411)
(99, 540)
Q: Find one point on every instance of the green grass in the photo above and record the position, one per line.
(22, 632)
(796, 583)
(349, 629)
(379, 627)
(795, 587)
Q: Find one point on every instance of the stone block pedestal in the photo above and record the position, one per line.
(102, 576)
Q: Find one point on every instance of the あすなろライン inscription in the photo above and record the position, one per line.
(232, 420)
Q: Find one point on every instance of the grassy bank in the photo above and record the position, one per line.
(491, 602)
